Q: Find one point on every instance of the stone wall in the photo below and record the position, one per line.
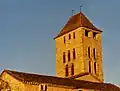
(80, 43)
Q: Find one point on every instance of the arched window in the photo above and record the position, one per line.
(74, 55)
(72, 69)
(95, 67)
(90, 66)
(66, 71)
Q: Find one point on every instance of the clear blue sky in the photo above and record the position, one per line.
(27, 28)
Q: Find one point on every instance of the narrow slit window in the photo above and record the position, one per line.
(45, 87)
(41, 87)
(73, 35)
(94, 53)
(69, 36)
(72, 69)
(66, 71)
(68, 55)
(64, 58)
(95, 67)
(74, 54)
(89, 52)
(90, 66)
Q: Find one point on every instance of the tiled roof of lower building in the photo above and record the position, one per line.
(36, 78)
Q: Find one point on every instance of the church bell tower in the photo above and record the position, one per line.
(79, 50)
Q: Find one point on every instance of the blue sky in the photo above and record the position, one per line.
(27, 29)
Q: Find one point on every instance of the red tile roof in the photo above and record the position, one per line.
(28, 77)
(78, 20)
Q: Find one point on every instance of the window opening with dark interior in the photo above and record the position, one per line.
(72, 69)
(94, 53)
(90, 66)
(66, 71)
(69, 36)
(64, 58)
(95, 67)
(45, 87)
(73, 35)
(74, 55)
(68, 55)
(41, 87)
(86, 33)
(94, 35)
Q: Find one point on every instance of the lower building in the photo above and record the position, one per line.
(20, 81)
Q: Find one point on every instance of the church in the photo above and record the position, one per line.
(79, 65)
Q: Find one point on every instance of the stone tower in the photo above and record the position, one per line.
(79, 50)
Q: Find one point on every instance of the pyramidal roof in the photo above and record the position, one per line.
(76, 21)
